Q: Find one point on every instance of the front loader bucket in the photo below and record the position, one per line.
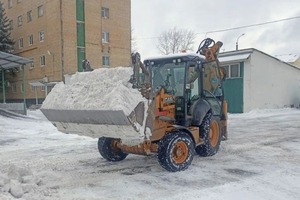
(99, 123)
(101, 103)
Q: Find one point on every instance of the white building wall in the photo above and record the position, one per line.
(269, 83)
(247, 85)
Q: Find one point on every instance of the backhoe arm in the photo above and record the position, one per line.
(210, 53)
(210, 50)
(137, 65)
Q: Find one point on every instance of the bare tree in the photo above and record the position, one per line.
(176, 40)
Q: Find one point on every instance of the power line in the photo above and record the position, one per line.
(234, 28)
(252, 25)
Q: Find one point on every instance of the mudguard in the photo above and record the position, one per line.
(199, 110)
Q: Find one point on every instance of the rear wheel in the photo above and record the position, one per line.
(176, 151)
(210, 132)
(109, 151)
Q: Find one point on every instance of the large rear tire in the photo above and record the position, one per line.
(109, 151)
(210, 132)
(176, 151)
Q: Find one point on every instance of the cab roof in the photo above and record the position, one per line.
(169, 58)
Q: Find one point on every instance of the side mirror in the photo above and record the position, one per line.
(189, 86)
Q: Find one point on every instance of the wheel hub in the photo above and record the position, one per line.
(180, 152)
(214, 133)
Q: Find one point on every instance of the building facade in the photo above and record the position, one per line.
(58, 35)
(256, 80)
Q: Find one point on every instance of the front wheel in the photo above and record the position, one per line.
(109, 151)
(176, 151)
(210, 133)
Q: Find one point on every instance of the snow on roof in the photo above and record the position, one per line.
(174, 56)
(244, 54)
(230, 58)
(289, 58)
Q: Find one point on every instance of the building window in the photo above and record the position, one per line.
(226, 67)
(30, 40)
(40, 11)
(105, 37)
(10, 3)
(11, 24)
(22, 87)
(31, 65)
(29, 16)
(233, 70)
(42, 60)
(33, 88)
(105, 13)
(14, 87)
(21, 44)
(43, 88)
(80, 34)
(105, 61)
(41, 36)
(20, 20)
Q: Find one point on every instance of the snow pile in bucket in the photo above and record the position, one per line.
(101, 89)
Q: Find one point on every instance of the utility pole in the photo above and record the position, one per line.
(237, 42)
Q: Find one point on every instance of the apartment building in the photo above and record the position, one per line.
(59, 34)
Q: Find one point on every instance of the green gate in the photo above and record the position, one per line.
(234, 92)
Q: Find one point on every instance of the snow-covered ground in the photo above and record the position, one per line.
(261, 160)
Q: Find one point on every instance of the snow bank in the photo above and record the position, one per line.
(101, 89)
(258, 113)
(18, 181)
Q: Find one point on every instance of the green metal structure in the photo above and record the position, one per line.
(234, 92)
(80, 33)
(10, 61)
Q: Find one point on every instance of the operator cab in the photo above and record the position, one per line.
(190, 79)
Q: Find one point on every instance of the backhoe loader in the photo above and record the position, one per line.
(185, 113)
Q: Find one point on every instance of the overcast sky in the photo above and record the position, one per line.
(152, 17)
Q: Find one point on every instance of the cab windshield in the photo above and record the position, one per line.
(170, 76)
